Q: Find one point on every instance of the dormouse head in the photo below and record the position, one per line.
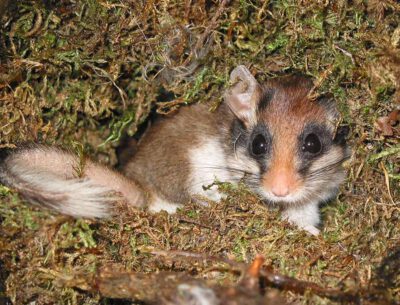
(293, 139)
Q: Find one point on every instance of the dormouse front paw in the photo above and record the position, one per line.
(312, 230)
(305, 217)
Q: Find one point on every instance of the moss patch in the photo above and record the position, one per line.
(87, 73)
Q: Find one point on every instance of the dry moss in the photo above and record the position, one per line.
(90, 72)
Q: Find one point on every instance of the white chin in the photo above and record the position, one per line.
(296, 197)
(300, 197)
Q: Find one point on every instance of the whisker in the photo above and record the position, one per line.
(227, 168)
(328, 167)
(234, 144)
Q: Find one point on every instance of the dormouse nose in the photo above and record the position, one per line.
(280, 185)
(280, 182)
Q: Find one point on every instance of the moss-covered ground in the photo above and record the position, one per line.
(88, 73)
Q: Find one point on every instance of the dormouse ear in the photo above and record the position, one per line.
(341, 134)
(243, 95)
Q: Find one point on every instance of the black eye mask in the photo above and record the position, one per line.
(314, 140)
(312, 143)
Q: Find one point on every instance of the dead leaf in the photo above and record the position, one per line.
(394, 117)
(382, 124)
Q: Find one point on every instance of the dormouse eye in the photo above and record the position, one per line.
(259, 145)
(312, 144)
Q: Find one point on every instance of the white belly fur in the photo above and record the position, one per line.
(208, 164)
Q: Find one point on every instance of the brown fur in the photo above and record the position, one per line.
(161, 164)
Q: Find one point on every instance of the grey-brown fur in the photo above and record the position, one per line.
(161, 164)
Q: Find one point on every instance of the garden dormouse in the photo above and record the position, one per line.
(275, 138)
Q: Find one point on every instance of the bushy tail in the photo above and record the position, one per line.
(59, 180)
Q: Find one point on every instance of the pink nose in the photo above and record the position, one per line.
(280, 190)
(281, 184)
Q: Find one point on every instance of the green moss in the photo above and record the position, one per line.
(240, 249)
(279, 42)
(119, 125)
(92, 72)
(76, 235)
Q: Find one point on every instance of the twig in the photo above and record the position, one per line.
(270, 279)
(284, 282)
(167, 288)
(387, 181)
(347, 53)
(180, 288)
(385, 153)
